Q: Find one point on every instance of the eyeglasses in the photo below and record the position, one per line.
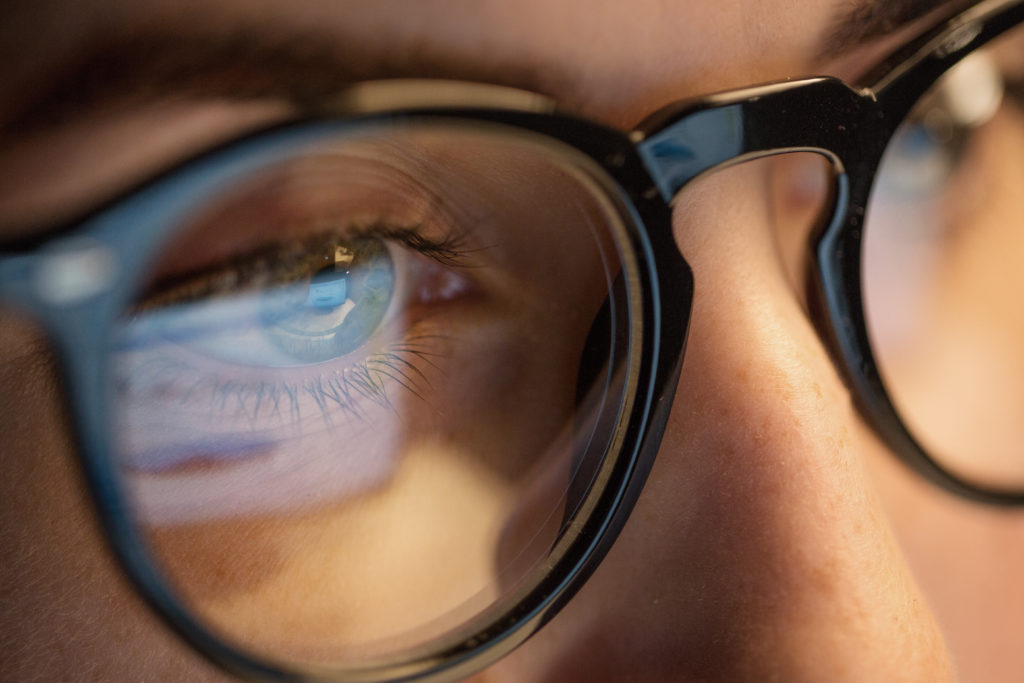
(369, 395)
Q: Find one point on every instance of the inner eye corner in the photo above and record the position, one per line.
(802, 192)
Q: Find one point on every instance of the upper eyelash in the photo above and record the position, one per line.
(250, 269)
(450, 250)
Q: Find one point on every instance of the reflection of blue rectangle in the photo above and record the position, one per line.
(327, 294)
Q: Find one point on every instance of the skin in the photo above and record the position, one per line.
(777, 538)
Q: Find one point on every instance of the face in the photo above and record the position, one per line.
(776, 538)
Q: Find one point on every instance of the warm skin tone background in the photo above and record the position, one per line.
(776, 537)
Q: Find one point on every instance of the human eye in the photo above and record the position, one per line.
(293, 304)
(329, 323)
(313, 330)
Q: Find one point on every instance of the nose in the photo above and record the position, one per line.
(758, 550)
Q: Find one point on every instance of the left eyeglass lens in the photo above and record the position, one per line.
(360, 388)
(943, 247)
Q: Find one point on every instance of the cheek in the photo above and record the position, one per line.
(968, 559)
(481, 465)
(69, 609)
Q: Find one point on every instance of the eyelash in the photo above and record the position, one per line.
(240, 271)
(365, 379)
(228, 403)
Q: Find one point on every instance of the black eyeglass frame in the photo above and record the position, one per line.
(852, 129)
(647, 169)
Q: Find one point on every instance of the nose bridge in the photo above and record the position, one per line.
(764, 454)
(770, 394)
(821, 115)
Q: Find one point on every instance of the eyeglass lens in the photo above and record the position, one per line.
(944, 244)
(356, 398)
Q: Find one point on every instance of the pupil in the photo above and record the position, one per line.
(333, 304)
(328, 288)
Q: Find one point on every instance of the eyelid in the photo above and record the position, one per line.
(49, 178)
(329, 191)
(242, 271)
(423, 287)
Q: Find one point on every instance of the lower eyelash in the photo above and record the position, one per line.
(368, 380)
(171, 412)
(346, 389)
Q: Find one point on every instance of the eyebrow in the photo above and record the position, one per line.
(302, 67)
(186, 62)
(867, 20)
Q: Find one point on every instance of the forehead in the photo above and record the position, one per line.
(612, 58)
(132, 83)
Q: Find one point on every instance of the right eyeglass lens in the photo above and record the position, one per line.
(943, 268)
